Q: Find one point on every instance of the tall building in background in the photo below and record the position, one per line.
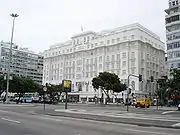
(173, 34)
(131, 49)
(24, 62)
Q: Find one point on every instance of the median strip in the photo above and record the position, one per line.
(125, 118)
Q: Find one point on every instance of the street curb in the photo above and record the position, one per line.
(139, 122)
(18, 105)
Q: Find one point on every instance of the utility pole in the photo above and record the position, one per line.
(10, 58)
(44, 92)
(128, 89)
(128, 75)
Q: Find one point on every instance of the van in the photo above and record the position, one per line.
(143, 102)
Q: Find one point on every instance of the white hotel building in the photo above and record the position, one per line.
(131, 49)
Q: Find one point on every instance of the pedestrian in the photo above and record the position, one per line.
(4, 99)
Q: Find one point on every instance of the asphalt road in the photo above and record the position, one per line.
(14, 123)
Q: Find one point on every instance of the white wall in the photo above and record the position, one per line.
(138, 37)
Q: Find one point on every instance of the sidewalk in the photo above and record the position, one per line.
(164, 108)
(118, 117)
(119, 113)
(20, 104)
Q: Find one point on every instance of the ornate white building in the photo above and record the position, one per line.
(131, 49)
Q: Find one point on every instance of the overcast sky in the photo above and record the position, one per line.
(42, 23)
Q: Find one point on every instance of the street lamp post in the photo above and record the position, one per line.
(127, 100)
(10, 57)
(44, 92)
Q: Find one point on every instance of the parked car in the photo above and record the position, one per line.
(17, 98)
(36, 99)
(12, 99)
(27, 99)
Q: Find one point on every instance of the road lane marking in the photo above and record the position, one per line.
(176, 125)
(149, 132)
(168, 112)
(14, 121)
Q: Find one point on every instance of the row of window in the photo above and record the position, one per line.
(92, 46)
(174, 54)
(173, 3)
(78, 41)
(92, 67)
(92, 52)
(118, 57)
(173, 28)
(173, 45)
(118, 40)
(100, 58)
(172, 19)
(174, 65)
(87, 75)
(94, 60)
(21, 55)
(92, 74)
(109, 66)
(173, 36)
(90, 62)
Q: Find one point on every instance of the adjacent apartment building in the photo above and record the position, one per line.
(132, 49)
(173, 34)
(24, 62)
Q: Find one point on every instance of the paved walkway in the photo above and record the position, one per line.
(123, 114)
(20, 104)
(118, 117)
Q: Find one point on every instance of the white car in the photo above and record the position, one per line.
(179, 107)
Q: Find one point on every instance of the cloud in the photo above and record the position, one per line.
(43, 22)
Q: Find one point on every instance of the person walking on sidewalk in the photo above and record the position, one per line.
(4, 99)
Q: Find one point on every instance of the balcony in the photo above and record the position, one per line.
(173, 14)
(172, 23)
(172, 32)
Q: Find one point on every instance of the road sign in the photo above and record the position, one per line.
(67, 85)
(66, 88)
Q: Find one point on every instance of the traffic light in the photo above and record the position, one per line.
(152, 79)
(140, 77)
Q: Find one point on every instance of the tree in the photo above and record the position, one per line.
(174, 85)
(174, 80)
(22, 85)
(169, 88)
(162, 91)
(2, 84)
(19, 85)
(54, 92)
(106, 82)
